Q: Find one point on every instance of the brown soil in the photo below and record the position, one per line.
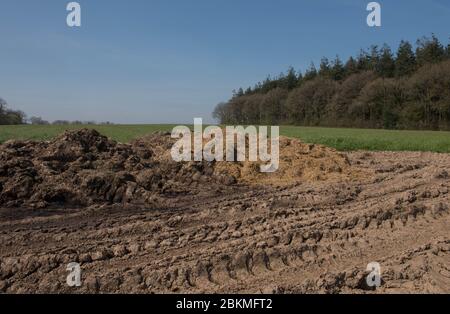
(137, 222)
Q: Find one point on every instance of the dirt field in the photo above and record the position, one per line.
(139, 223)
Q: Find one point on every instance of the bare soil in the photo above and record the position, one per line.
(139, 223)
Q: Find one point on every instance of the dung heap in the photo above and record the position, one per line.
(83, 168)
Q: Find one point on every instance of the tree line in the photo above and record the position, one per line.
(379, 88)
(9, 116)
(40, 121)
(13, 117)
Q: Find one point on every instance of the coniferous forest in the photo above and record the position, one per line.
(379, 88)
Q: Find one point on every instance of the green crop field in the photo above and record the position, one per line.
(341, 139)
(121, 133)
(369, 139)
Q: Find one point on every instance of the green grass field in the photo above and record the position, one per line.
(341, 139)
(375, 140)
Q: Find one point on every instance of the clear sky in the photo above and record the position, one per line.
(149, 61)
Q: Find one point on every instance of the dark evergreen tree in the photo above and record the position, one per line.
(405, 63)
(337, 69)
(386, 62)
(429, 50)
(299, 78)
(290, 79)
(351, 66)
(325, 68)
(374, 58)
(363, 61)
(448, 51)
(266, 85)
(310, 73)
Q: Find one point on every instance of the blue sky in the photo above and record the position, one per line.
(168, 61)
